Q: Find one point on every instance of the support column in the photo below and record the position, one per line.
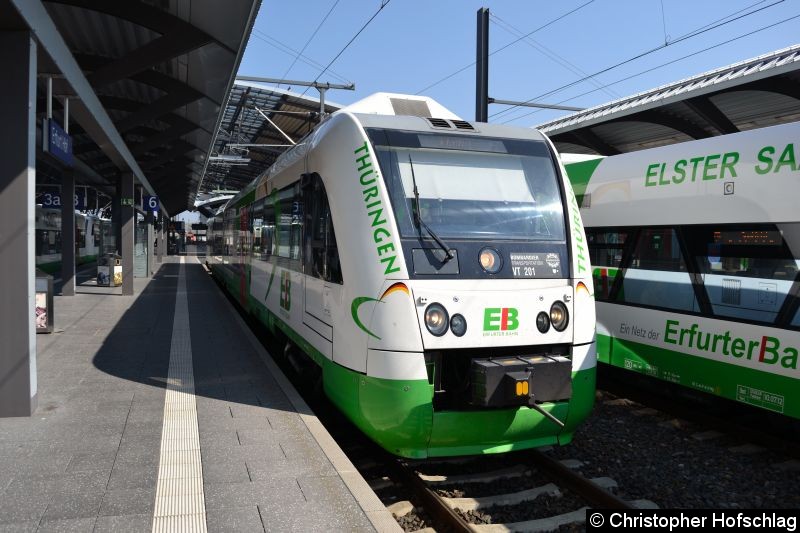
(127, 223)
(150, 234)
(482, 67)
(116, 220)
(17, 224)
(162, 241)
(68, 233)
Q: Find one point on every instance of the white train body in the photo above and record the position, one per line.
(358, 308)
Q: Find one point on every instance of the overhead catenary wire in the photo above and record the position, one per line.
(719, 23)
(550, 54)
(311, 38)
(294, 53)
(384, 3)
(543, 26)
(626, 78)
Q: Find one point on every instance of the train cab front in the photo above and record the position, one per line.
(485, 343)
(502, 370)
(513, 379)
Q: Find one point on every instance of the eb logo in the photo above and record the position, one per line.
(500, 319)
(286, 291)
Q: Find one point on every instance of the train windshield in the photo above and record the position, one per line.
(472, 187)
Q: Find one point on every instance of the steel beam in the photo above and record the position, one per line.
(151, 54)
(668, 120)
(157, 109)
(586, 137)
(164, 137)
(708, 111)
(68, 233)
(87, 110)
(18, 384)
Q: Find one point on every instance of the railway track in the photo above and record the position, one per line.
(530, 492)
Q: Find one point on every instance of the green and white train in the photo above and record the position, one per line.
(696, 256)
(448, 313)
(89, 235)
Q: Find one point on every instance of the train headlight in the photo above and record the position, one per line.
(436, 319)
(458, 325)
(543, 322)
(491, 261)
(559, 316)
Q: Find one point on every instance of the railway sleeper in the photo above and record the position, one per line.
(485, 477)
(550, 523)
(472, 504)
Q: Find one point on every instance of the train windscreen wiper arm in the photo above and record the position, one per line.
(418, 222)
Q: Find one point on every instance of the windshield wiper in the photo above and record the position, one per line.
(418, 222)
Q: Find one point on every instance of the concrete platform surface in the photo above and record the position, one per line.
(161, 410)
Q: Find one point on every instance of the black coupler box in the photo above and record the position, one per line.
(522, 380)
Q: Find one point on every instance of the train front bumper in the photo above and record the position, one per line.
(399, 416)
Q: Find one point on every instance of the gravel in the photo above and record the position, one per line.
(654, 457)
(413, 521)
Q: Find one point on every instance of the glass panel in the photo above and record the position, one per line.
(297, 227)
(605, 251)
(475, 195)
(747, 270)
(283, 215)
(657, 275)
(140, 248)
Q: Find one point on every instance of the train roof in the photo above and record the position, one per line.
(442, 125)
(742, 177)
(394, 111)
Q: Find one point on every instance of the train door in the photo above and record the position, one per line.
(322, 277)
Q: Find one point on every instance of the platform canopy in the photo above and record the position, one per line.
(759, 92)
(146, 80)
(258, 124)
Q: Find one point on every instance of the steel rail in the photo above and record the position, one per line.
(445, 516)
(592, 493)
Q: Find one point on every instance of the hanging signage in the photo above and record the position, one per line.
(150, 203)
(56, 142)
(50, 196)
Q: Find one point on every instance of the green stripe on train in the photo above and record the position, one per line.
(579, 175)
(399, 413)
(754, 387)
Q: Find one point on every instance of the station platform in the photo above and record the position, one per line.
(162, 412)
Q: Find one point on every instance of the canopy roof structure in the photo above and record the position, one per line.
(258, 124)
(146, 82)
(759, 92)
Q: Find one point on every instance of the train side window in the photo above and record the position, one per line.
(298, 210)
(657, 274)
(747, 271)
(322, 259)
(257, 225)
(268, 229)
(283, 216)
(605, 251)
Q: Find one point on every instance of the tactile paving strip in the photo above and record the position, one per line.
(180, 504)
